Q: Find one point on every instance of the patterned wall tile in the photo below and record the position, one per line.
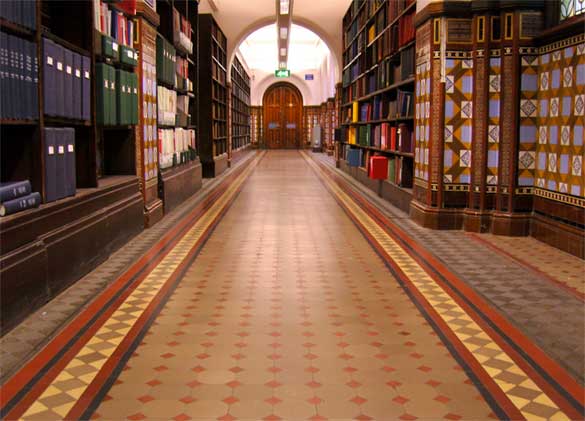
(423, 103)
(494, 120)
(529, 112)
(559, 149)
(458, 121)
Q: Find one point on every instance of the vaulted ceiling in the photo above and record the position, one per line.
(238, 19)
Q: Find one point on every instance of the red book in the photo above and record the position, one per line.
(121, 28)
(129, 6)
(378, 168)
(393, 138)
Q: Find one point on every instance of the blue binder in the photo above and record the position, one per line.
(68, 84)
(60, 173)
(70, 175)
(77, 81)
(59, 80)
(86, 87)
(354, 157)
(50, 75)
(50, 166)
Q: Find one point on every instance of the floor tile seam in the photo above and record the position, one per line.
(231, 190)
(378, 233)
(161, 227)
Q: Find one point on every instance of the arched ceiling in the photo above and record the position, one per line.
(307, 50)
(238, 19)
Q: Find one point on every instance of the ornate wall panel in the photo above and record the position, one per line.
(458, 119)
(561, 110)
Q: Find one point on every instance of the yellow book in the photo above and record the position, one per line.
(371, 33)
(355, 112)
(352, 135)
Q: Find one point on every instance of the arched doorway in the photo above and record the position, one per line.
(283, 116)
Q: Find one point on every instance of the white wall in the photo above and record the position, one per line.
(314, 92)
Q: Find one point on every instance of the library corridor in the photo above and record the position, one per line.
(289, 293)
(292, 210)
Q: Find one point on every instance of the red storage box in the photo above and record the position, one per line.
(378, 168)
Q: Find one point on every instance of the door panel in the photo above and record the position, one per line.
(283, 112)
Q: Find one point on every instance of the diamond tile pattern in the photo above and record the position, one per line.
(307, 322)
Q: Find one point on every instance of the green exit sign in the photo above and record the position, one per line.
(282, 73)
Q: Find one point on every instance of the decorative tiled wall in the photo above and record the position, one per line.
(422, 130)
(561, 110)
(423, 102)
(458, 120)
(493, 118)
(528, 120)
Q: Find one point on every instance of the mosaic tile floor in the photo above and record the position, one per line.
(287, 298)
(549, 312)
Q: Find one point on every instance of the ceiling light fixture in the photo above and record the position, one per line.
(283, 51)
(283, 33)
(284, 6)
(283, 65)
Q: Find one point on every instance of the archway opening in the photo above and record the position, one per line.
(314, 67)
(282, 105)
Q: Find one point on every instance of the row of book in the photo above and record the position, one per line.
(182, 31)
(176, 146)
(381, 108)
(19, 78)
(376, 27)
(116, 96)
(113, 23)
(167, 106)
(21, 12)
(396, 169)
(396, 7)
(166, 61)
(17, 196)
(60, 168)
(67, 86)
(381, 136)
(182, 70)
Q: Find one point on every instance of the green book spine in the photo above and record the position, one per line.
(113, 88)
(100, 93)
(135, 107)
(392, 170)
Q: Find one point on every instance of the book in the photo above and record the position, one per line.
(13, 190)
(70, 173)
(49, 68)
(30, 201)
(60, 164)
(50, 165)
(86, 88)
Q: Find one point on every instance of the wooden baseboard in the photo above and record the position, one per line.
(557, 234)
(65, 241)
(180, 183)
(436, 218)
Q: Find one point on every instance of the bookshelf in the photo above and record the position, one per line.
(256, 116)
(377, 99)
(312, 115)
(91, 201)
(179, 167)
(213, 97)
(241, 114)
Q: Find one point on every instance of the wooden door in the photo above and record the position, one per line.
(283, 117)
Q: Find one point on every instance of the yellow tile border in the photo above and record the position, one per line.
(150, 287)
(435, 295)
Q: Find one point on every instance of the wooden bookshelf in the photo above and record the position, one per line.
(240, 107)
(256, 116)
(377, 93)
(180, 170)
(213, 97)
(46, 249)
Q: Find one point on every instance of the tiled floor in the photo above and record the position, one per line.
(287, 299)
